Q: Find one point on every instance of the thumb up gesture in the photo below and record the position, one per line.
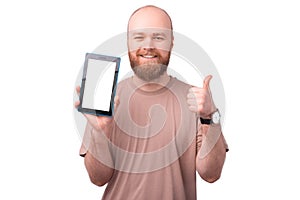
(200, 99)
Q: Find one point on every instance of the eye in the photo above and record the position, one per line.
(158, 38)
(138, 38)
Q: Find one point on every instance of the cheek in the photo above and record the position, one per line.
(133, 46)
(164, 54)
(132, 54)
(163, 47)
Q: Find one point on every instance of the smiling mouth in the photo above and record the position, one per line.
(148, 56)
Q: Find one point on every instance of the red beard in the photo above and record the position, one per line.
(148, 64)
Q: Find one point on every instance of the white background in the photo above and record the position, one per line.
(254, 45)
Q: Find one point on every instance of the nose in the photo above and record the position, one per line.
(148, 44)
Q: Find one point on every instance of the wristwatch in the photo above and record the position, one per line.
(215, 118)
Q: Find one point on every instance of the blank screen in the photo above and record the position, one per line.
(98, 84)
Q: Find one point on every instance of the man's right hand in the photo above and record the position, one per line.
(98, 122)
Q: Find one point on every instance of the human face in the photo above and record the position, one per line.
(149, 52)
(150, 41)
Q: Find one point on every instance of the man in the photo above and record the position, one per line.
(161, 132)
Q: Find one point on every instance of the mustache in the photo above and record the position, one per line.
(148, 52)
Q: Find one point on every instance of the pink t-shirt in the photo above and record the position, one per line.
(152, 146)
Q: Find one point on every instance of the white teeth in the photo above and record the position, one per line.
(147, 56)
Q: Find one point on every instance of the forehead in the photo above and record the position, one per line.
(150, 31)
(149, 18)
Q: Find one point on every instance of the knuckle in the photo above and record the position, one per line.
(200, 107)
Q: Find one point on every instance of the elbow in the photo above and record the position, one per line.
(99, 174)
(210, 178)
(99, 178)
(97, 181)
(210, 175)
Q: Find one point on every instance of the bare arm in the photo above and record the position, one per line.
(97, 157)
(211, 144)
(99, 174)
(95, 147)
(212, 152)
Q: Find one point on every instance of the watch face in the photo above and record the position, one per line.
(216, 117)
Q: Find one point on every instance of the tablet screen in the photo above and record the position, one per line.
(98, 84)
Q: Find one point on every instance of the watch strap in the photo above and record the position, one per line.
(205, 121)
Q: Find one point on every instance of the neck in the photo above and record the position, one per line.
(153, 85)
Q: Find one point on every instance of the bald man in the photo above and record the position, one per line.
(162, 130)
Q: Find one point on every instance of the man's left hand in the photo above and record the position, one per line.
(200, 99)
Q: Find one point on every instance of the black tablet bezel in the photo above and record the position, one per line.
(88, 56)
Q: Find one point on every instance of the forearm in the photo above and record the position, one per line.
(211, 155)
(97, 156)
(99, 173)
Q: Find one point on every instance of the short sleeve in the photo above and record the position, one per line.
(98, 145)
(226, 144)
(86, 140)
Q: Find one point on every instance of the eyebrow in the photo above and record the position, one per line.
(154, 34)
(138, 33)
(159, 34)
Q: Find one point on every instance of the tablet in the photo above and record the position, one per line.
(98, 86)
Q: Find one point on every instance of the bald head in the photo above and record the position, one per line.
(150, 41)
(149, 17)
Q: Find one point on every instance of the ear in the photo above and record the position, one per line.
(172, 42)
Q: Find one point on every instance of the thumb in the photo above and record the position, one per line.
(206, 81)
(116, 101)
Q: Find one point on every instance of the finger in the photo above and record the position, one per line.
(76, 104)
(193, 92)
(196, 96)
(103, 121)
(192, 102)
(78, 90)
(191, 95)
(193, 108)
(206, 81)
(116, 101)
